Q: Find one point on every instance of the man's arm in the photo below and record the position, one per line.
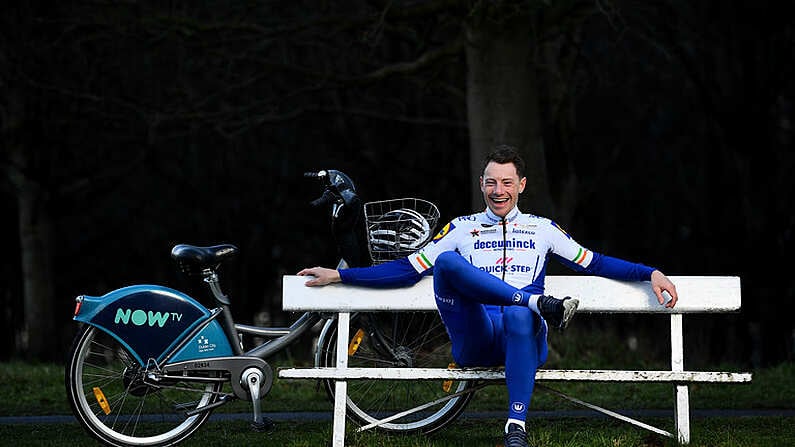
(610, 267)
(578, 258)
(396, 273)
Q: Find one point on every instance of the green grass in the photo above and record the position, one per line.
(713, 432)
(38, 389)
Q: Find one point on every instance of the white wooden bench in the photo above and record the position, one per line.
(697, 294)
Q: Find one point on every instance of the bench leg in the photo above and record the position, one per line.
(341, 386)
(682, 414)
(340, 393)
(682, 397)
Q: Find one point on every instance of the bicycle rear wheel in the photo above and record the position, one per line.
(401, 339)
(115, 402)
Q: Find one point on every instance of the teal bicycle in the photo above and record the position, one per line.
(149, 364)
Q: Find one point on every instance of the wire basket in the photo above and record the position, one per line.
(398, 227)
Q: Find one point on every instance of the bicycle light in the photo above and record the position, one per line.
(78, 304)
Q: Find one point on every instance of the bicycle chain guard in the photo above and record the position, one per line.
(235, 366)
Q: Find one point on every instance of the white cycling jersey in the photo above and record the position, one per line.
(514, 249)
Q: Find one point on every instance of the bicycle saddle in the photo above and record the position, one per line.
(191, 257)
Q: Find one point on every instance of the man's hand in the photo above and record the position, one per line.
(322, 276)
(659, 284)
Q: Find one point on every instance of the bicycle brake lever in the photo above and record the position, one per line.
(326, 198)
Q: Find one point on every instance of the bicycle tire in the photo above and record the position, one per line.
(100, 368)
(411, 339)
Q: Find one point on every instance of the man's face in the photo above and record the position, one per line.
(501, 187)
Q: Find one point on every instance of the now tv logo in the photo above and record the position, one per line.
(140, 317)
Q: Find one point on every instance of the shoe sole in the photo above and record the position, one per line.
(569, 309)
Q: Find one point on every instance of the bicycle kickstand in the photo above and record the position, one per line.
(252, 378)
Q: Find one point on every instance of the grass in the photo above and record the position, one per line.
(38, 389)
(713, 432)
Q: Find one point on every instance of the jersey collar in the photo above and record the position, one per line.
(513, 214)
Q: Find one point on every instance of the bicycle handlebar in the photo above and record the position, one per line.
(339, 188)
(327, 198)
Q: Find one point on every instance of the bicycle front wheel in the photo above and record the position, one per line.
(115, 402)
(395, 340)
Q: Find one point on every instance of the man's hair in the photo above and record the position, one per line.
(503, 154)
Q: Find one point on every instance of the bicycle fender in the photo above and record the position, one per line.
(151, 321)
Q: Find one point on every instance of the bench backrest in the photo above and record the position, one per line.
(596, 295)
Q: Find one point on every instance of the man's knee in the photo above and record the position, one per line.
(445, 261)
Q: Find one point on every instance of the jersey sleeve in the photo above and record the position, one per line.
(568, 251)
(445, 240)
(579, 258)
(397, 273)
(614, 268)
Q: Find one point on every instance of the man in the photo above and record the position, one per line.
(488, 277)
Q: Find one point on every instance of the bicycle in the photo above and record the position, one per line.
(149, 364)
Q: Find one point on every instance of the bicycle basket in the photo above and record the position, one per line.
(398, 227)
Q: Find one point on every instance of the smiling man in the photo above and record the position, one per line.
(488, 278)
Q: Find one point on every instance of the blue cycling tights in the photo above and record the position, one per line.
(489, 325)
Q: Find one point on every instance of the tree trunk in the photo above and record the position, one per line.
(502, 105)
(36, 339)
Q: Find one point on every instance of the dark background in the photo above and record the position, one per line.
(134, 126)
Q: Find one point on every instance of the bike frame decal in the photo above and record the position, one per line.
(209, 342)
(149, 320)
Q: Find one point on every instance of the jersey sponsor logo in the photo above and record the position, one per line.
(502, 268)
(489, 231)
(467, 219)
(527, 244)
(444, 300)
(522, 231)
(443, 232)
(517, 297)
